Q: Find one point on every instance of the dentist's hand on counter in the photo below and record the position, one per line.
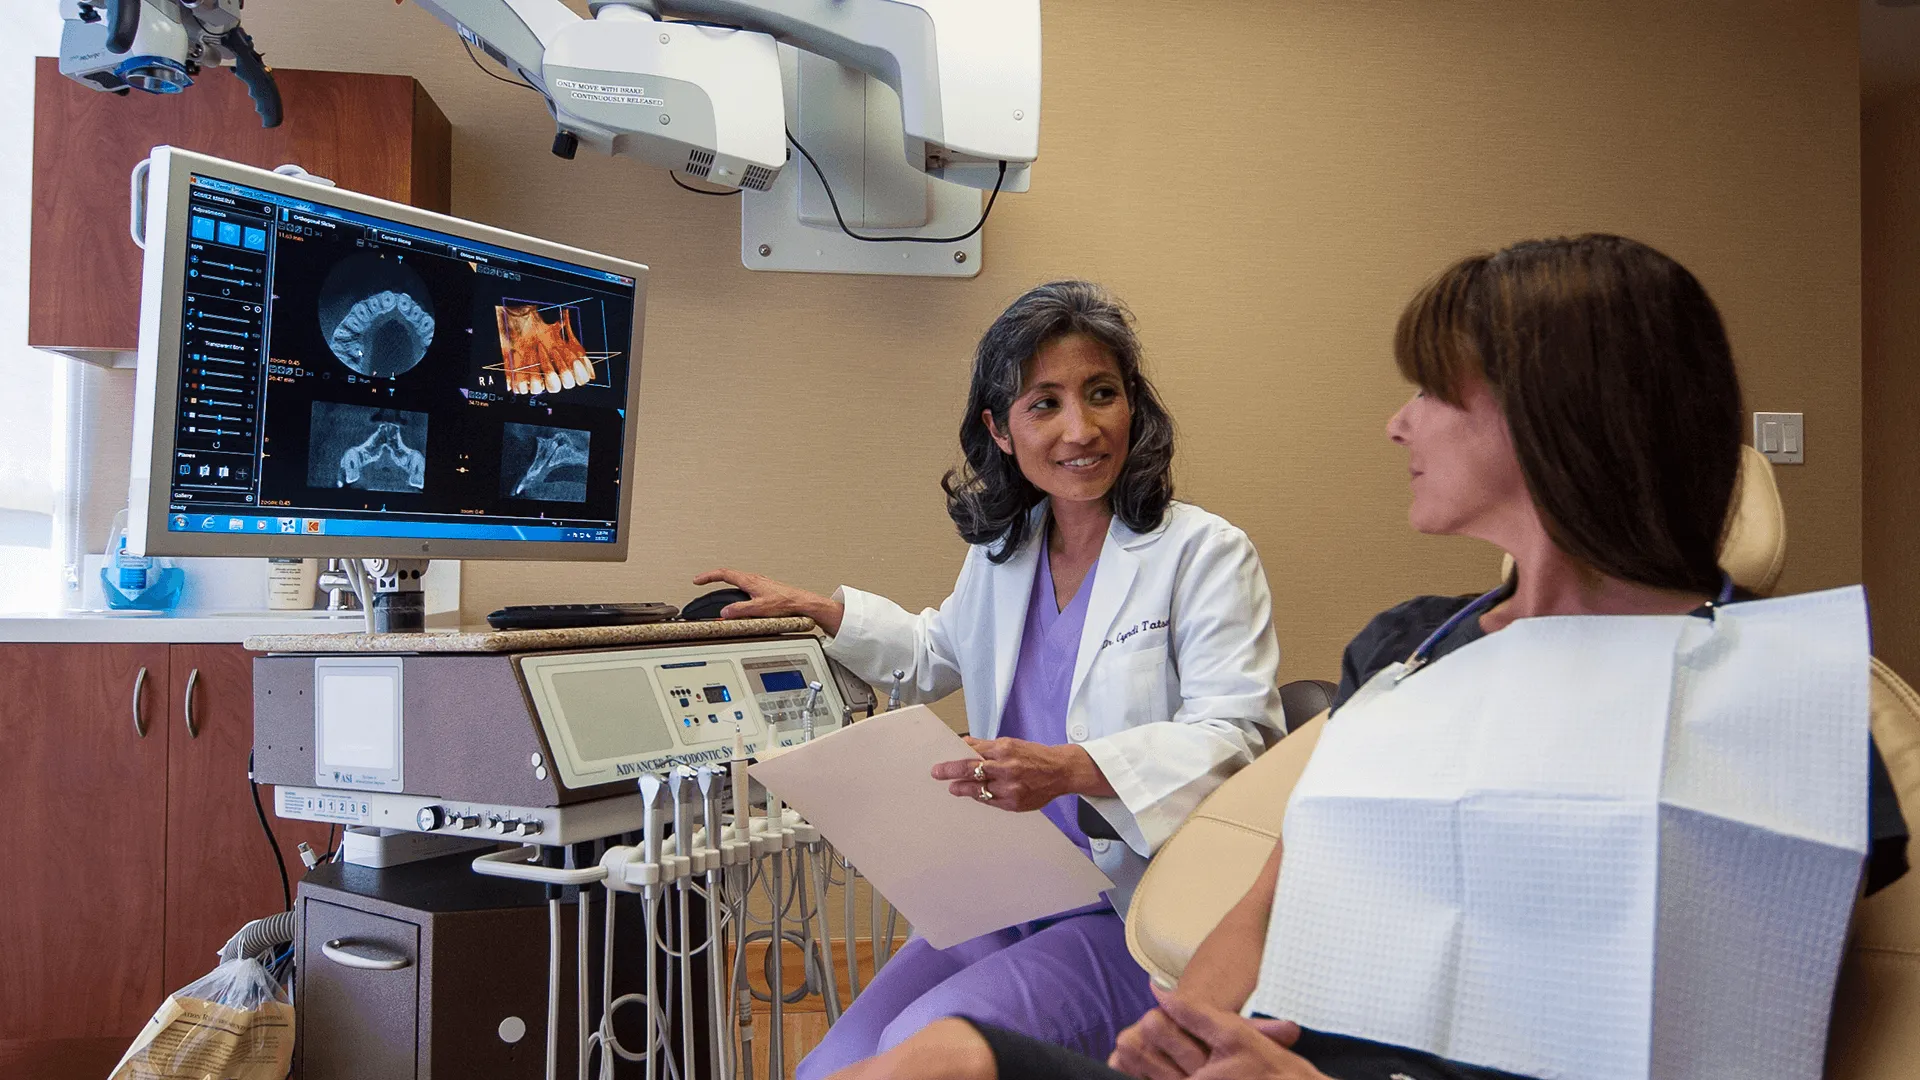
(1022, 775)
(771, 599)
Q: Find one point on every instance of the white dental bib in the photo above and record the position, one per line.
(1588, 847)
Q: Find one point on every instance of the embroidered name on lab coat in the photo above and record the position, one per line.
(1122, 636)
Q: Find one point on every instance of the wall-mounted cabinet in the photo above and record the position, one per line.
(378, 134)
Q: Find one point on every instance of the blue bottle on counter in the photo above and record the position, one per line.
(137, 582)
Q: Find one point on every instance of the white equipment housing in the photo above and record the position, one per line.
(701, 100)
(915, 106)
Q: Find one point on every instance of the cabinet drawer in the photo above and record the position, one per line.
(360, 992)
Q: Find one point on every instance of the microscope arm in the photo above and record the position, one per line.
(967, 71)
(514, 32)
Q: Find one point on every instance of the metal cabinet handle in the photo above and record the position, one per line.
(339, 950)
(139, 713)
(186, 704)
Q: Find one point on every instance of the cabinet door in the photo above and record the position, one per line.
(220, 870)
(82, 860)
(377, 134)
(360, 994)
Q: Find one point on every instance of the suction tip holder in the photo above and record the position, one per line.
(652, 793)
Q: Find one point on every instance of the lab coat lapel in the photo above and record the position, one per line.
(1013, 581)
(1112, 581)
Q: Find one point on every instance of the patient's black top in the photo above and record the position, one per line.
(1395, 633)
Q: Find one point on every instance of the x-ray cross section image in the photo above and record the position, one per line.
(541, 348)
(377, 315)
(545, 463)
(353, 446)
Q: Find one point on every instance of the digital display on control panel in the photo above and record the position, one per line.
(778, 681)
(716, 694)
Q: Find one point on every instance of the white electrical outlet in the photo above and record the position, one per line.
(1781, 436)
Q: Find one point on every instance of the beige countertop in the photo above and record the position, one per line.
(484, 640)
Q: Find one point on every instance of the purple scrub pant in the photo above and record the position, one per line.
(1068, 981)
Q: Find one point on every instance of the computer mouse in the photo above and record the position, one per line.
(709, 605)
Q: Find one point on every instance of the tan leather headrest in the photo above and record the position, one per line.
(1755, 549)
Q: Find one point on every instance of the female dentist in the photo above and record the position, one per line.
(1116, 646)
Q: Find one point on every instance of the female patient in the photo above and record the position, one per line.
(1577, 406)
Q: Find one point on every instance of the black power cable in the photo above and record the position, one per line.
(701, 191)
(835, 203)
(521, 83)
(286, 888)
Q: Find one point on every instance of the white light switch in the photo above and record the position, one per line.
(1780, 437)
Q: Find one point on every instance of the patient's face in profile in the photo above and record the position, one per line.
(1070, 428)
(1461, 464)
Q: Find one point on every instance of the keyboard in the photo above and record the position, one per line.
(562, 616)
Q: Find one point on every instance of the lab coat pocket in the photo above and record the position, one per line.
(1146, 687)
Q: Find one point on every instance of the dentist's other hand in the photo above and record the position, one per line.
(1022, 775)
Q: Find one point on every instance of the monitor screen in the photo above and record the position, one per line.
(346, 376)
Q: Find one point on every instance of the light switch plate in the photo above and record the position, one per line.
(1781, 436)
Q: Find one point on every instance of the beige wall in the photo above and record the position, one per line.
(1266, 182)
(1890, 256)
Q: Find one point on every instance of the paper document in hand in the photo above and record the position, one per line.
(956, 868)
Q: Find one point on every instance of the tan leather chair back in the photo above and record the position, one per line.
(1876, 1008)
(1754, 551)
(1212, 861)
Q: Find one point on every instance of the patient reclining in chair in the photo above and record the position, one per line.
(1605, 822)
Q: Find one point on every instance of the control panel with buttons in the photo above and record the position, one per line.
(416, 813)
(613, 715)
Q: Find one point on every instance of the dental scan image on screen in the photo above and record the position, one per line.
(349, 375)
(545, 463)
(371, 449)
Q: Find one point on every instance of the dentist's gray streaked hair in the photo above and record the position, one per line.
(989, 497)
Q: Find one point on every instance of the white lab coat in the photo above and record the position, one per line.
(1174, 684)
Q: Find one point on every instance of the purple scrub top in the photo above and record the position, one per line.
(1043, 678)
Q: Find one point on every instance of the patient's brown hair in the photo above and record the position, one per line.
(1612, 368)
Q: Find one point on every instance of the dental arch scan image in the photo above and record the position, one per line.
(376, 314)
(406, 375)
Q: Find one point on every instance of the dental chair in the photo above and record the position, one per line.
(1212, 861)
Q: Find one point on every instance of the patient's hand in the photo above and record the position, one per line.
(1184, 1038)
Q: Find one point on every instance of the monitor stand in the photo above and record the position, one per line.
(394, 594)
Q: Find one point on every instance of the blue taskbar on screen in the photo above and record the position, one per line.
(409, 530)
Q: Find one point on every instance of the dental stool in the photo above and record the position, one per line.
(1211, 862)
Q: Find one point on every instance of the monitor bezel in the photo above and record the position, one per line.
(157, 378)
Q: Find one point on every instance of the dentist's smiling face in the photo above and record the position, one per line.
(1070, 426)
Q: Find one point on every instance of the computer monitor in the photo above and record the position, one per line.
(322, 373)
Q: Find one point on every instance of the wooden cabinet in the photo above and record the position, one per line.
(378, 134)
(83, 763)
(220, 869)
(134, 850)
